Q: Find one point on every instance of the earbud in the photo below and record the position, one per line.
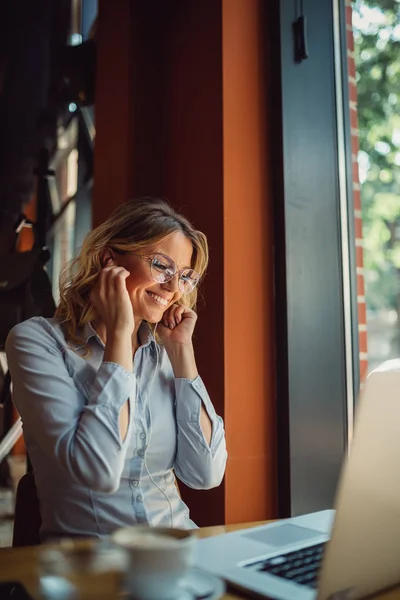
(109, 261)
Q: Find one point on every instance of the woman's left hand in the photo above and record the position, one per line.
(177, 325)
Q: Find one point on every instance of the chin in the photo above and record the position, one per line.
(153, 316)
(152, 321)
(146, 310)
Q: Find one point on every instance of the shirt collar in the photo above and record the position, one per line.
(145, 336)
(89, 332)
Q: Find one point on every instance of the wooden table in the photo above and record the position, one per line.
(19, 564)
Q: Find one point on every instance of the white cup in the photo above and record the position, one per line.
(158, 559)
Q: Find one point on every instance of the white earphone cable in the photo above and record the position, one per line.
(150, 430)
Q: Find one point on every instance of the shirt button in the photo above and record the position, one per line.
(139, 498)
(135, 482)
(141, 453)
(142, 436)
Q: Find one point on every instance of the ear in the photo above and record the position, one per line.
(107, 257)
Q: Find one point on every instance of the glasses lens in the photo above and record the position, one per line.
(188, 281)
(162, 268)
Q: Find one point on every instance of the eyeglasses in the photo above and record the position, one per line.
(163, 269)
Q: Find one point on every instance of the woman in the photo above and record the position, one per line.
(110, 415)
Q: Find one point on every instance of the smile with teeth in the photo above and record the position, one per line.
(158, 299)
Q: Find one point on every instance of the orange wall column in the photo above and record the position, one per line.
(248, 266)
(197, 134)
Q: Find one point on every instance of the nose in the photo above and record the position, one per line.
(173, 284)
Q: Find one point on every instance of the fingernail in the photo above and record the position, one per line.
(171, 325)
(166, 323)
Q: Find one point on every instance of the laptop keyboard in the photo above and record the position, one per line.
(301, 566)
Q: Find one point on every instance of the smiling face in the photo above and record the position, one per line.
(151, 299)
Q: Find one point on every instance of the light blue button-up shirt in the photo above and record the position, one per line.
(89, 480)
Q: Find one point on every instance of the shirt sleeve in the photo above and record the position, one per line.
(198, 464)
(81, 434)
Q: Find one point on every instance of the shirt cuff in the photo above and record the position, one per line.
(113, 385)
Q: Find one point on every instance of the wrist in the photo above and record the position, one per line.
(118, 348)
(182, 360)
(119, 334)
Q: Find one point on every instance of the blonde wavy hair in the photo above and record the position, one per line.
(132, 227)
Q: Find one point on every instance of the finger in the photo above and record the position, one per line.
(112, 269)
(115, 276)
(187, 313)
(102, 282)
(118, 275)
(103, 286)
(171, 318)
(106, 274)
(180, 309)
(116, 271)
(111, 281)
(169, 321)
(166, 317)
(120, 282)
(189, 316)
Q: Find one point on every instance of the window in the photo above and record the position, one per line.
(376, 26)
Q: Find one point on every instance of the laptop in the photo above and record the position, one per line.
(345, 554)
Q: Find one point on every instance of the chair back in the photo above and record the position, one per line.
(27, 520)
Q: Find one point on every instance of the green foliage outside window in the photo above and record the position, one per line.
(376, 25)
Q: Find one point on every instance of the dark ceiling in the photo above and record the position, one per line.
(33, 35)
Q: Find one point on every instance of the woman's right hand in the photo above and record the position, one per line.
(111, 300)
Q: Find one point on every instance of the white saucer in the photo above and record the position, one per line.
(200, 584)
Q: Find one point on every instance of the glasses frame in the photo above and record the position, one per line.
(150, 257)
